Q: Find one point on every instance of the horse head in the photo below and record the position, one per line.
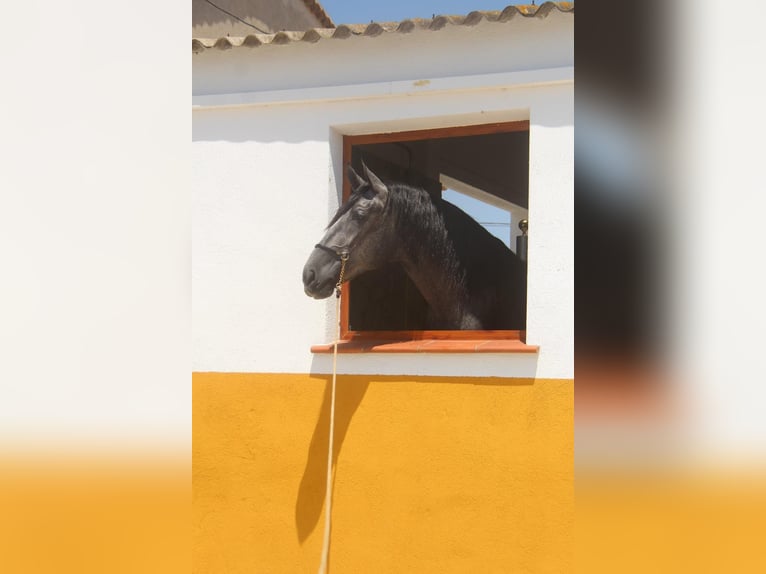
(357, 230)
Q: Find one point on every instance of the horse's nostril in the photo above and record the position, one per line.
(308, 276)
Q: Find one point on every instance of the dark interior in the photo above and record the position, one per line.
(385, 299)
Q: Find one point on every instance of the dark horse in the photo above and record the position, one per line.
(468, 277)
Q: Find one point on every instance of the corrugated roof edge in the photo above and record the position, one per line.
(377, 28)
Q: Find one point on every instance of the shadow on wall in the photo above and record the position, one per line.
(311, 492)
(349, 394)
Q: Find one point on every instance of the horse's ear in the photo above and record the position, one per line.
(375, 182)
(355, 179)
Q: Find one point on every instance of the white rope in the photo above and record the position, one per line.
(328, 492)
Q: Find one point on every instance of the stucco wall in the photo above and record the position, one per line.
(266, 181)
(433, 474)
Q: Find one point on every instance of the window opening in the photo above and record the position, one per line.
(480, 169)
(495, 220)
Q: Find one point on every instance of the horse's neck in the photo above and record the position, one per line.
(432, 264)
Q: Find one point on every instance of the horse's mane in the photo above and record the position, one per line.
(450, 230)
(406, 201)
(419, 214)
(416, 212)
(469, 255)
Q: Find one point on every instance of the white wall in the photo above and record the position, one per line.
(266, 178)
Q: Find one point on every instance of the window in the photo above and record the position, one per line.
(484, 170)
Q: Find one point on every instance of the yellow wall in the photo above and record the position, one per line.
(433, 474)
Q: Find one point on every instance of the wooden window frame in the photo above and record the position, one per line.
(442, 341)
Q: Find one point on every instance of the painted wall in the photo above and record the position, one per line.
(260, 206)
(446, 462)
(433, 474)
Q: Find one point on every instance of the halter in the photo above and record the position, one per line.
(343, 257)
(339, 254)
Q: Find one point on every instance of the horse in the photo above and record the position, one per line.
(469, 278)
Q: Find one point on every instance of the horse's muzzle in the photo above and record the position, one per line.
(319, 280)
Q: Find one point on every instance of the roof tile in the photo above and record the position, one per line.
(374, 29)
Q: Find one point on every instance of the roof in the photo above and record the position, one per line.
(316, 9)
(239, 17)
(377, 28)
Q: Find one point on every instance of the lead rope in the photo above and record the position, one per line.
(328, 493)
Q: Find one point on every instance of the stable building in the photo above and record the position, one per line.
(453, 449)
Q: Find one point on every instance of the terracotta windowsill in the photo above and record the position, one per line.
(428, 346)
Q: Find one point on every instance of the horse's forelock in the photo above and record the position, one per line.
(345, 207)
